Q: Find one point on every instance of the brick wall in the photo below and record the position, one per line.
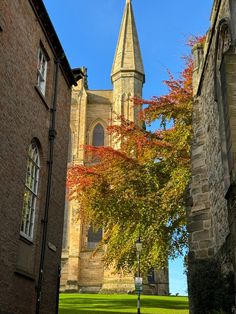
(26, 115)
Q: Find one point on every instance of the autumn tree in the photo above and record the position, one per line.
(139, 189)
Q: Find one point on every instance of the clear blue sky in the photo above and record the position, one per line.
(88, 30)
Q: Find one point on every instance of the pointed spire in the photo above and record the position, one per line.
(128, 55)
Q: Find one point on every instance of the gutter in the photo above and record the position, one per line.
(52, 38)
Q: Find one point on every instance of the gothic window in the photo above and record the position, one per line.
(41, 71)
(30, 192)
(70, 146)
(224, 40)
(151, 276)
(98, 135)
(94, 237)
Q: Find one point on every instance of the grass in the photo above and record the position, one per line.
(121, 303)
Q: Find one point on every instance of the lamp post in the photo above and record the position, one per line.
(139, 249)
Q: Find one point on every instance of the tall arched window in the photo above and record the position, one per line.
(31, 192)
(98, 135)
(94, 237)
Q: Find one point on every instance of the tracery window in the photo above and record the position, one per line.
(98, 135)
(30, 192)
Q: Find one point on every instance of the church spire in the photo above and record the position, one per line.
(128, 54)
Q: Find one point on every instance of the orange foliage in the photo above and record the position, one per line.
(141, 185)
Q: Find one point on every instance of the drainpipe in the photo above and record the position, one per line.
(51, 136)
(58, 288)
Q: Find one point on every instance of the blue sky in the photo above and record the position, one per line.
(88, 31)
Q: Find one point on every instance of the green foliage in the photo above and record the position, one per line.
(211, 291)
(138, 190)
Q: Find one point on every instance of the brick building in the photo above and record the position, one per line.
(35, 89)
(212, 223)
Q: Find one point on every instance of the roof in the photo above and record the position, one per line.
(52, 38)
(104, 97)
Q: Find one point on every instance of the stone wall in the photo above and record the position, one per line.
(83, 271)
(213, 164)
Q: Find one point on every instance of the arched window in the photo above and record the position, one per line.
(31, 192)
(94, 237)
(98, 135)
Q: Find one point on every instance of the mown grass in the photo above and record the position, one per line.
(120, 303)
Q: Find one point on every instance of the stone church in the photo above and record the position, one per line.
(212, 207)
(91, 112)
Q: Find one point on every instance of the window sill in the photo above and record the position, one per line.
(25, 239)
(86, 250)
(41, 96)
(25, 274)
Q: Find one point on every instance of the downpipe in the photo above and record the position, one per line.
(51, 136)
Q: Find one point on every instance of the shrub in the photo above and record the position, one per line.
(211, 291)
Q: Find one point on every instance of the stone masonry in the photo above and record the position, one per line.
(211, 216)
(81, 270)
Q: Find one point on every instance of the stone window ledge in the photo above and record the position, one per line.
(25, 274)
(41, 96)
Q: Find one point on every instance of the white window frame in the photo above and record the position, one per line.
(30, 192)
(42, 71)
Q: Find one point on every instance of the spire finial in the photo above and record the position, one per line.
(128, 1)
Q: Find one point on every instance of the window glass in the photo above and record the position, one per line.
(151, 276)
(94, 237)
(41, 71)
(30, 192)
(98, 135)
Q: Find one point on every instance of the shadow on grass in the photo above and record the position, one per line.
(110, 304)
(86, 311)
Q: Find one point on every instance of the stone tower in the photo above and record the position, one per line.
(127, 72)
(91, 112)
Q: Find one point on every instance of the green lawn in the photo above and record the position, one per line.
(121, 303)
